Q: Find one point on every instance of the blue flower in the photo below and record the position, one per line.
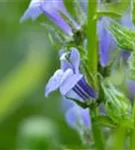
(77, 117)
(131, 88)
(126, 21)
(53, 9)
(68, 77)
(106, 42)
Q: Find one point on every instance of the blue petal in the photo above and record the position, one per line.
(84, 5)
(69, 83)
(78, 117)
(66, 103)
(54, 82)
(131, 88)
(59, 5)
(53, 13)
(75, 59)
(86, 89)
(65, 64)
(125, 55)
(106, 42)
(70, 60)
(66, 75)
(126, 20)
(33, 10)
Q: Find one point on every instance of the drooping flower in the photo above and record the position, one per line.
(68, 77)
(52, 9)
(126, 21)
(131, 88)
(77, 117)
(106, 42)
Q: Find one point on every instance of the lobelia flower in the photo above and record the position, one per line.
(52, 9)
(131, 88)
(68, 77)
(106, 42)
(77, 117)
(126, 21)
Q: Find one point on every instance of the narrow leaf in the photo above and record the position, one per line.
(123, 36)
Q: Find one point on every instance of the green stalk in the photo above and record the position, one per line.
(92, 41)
(132, 144)
(96, 130)
(93, 69)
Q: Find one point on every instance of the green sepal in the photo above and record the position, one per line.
(100, 14)
(78, 102)
(117, 105)
(133, 11)
(132, 65)
(106, 121)
(123, 36)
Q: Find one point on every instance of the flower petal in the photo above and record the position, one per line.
(50, 10)
(66, 103)
(75, 59)
(33, 10)
(60, 7)
(66, 74)
(78, 117)
(69, 83)
(106, 42)
(131, 88)
(87, 89)
(54, 82)
(70, 60)
(65, 64)
(126, 20)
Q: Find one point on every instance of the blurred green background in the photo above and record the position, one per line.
(27, 60)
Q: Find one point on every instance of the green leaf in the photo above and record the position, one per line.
(117, 139)
(19, 83)
(81, 104)
(132, 133)
(133, 11)
(123, 36)
(119, 7)
(132, 65)
(106, 121)
(107, 14)
(118, 106)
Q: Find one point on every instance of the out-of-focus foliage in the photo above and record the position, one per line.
(26, 61)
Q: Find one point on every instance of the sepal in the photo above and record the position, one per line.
(118, 106)
(123, 36)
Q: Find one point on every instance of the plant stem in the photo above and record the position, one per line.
(132, 144)
(93, 69)
(92, 41)
(96, 130)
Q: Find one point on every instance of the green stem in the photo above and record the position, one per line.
(93, 69)
(92, 41)
(132, 146)
(96, 130)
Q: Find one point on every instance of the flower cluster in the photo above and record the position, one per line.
(74, 79)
